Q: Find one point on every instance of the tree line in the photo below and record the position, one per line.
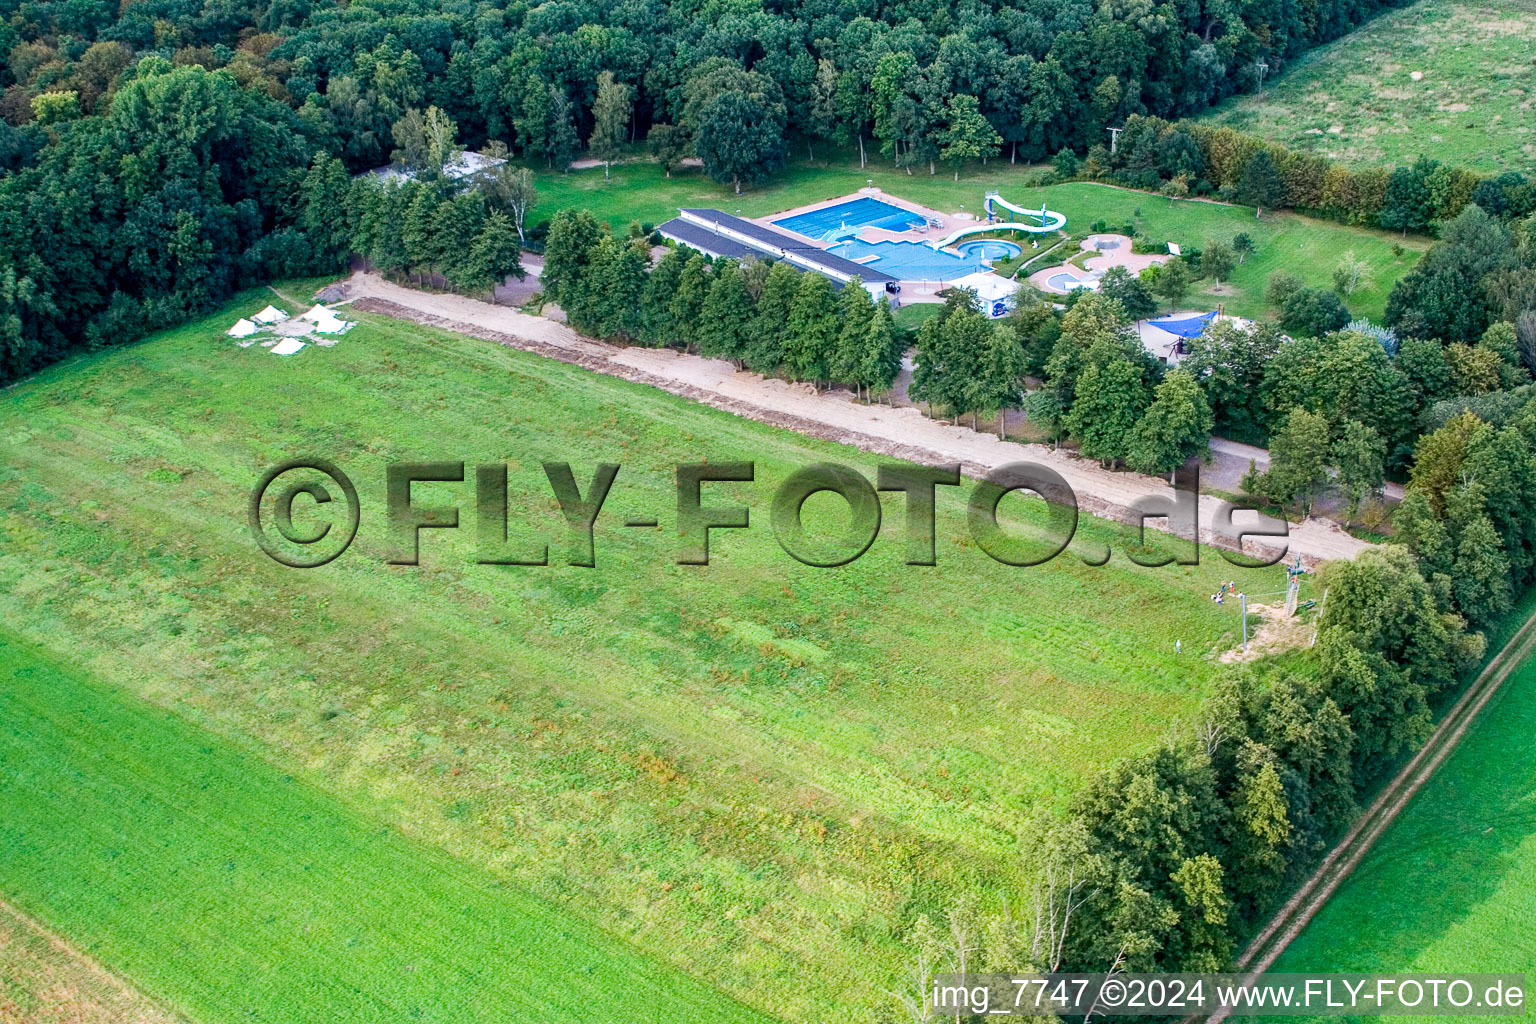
(1188, 158)
(427, 227)
(1172, 858)
(764, 316)
(1341, 407)
(1339, 410)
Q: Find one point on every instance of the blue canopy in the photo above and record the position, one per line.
(1185, 328)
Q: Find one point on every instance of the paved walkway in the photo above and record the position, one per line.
(1113, 251)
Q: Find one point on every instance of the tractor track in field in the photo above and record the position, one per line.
(1298, 911)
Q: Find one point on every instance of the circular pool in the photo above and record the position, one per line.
(990, 249)
(1065, 282)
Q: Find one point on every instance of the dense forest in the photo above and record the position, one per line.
(156, 155)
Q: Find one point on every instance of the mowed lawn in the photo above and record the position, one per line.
(1452, 884)
(756, 770)
(1355, 99)
(234, 892)
(1304, 246)
(1307, 247)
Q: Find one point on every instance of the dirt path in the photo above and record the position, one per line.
(1229, 464)
(1275, 631)
(1289, 921)
(835, 416)
(45, 980)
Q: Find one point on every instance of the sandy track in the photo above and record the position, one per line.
(900, 433)
(45, 980)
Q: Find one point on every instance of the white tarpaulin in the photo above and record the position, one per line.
(270, 315)
(316, 313)
(242, 328)
(334, 325)
(287, 347)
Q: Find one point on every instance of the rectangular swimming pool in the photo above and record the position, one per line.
(909, 261)
(863, 212)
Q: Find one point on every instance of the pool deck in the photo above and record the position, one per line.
(874, 234)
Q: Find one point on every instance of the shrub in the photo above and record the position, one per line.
(1281, 286)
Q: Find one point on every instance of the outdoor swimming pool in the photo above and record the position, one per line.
(908, 261)
(990, 249)
(864, 212)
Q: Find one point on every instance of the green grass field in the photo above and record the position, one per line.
(235, 892)
(1286, 241)
(756, 771)
(1451, 886)
(1355, 99)
(1283, 241)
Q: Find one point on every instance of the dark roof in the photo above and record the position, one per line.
(790, 244)
(704, 240)
(773, 237)
(862, 271)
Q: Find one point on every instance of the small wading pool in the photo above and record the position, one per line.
(1066, 282)
(990, 249)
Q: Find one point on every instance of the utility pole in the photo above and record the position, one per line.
(1114, 138)
(1244, 599)
(1318, 622)
(1262, 67)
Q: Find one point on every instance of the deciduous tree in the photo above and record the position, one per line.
(611, 114)
(1175, 428)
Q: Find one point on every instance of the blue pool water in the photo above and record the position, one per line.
(1065, 282)
(990, 249)
(909, 261)
(862, 212)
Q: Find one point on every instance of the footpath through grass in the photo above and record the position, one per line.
(1304, 246)
(756, 770)
(1356, 100)
(237, 893)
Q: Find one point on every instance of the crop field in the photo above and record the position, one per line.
(1304, 246)
(756, 771)
(269, 901)
(1451, 886)
(1355, 99)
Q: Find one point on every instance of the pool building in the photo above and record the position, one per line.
(721, 235)
(895, 248)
